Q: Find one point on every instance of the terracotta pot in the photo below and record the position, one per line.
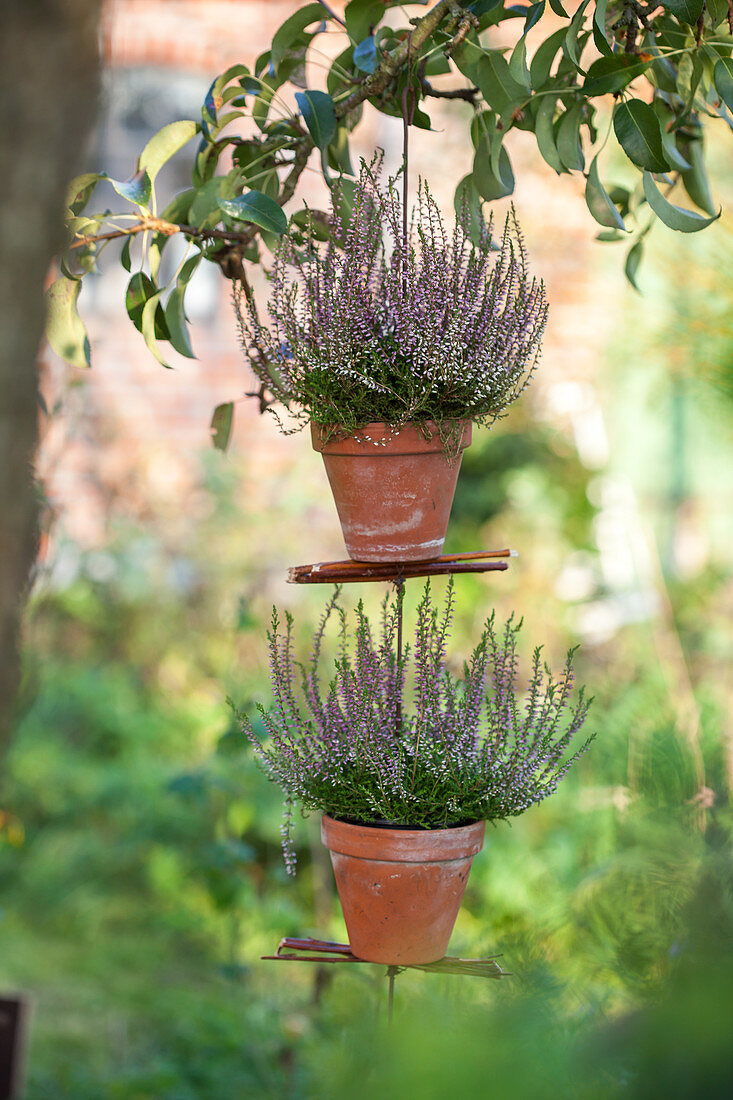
(400, 890)
(393, 492)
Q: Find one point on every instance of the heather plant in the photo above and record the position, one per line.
(424, 325)
(356, 751)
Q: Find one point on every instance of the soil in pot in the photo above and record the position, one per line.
(393, 489)
(400, 889)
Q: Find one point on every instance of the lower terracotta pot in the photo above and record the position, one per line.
(393, 491)
(400, 889)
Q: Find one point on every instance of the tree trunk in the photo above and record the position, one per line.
(49, 80)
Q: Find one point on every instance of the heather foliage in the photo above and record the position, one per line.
(355, 750)
(429, 325)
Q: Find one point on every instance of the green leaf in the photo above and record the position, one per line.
(541, 63)
(533, 16)
(137, 189)
(695, 180)
(545, 133)
(338, 152)
(717, 10)
(221, 425)
(125, 254)
(573, 45)
(65, 329)
(360, 17)
(687, 11)
(366, 57)
(723, 78)
(153, 326)
(518, 65)
(558, 8)
(165, 144)
(676, 217)
(492, 183)
(176, 321)
(599, 201)
(599, 28)
(467, 203)
(140, 291)
(257, 208)
(638, 133)
(497, 85)
(633, 259)
(205, 212)
(79, 191)
(319, 116)
(611, 74)
(292, 28)
(669, 138)
(179, 208)
(569, 145)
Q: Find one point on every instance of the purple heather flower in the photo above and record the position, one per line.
(437, 326)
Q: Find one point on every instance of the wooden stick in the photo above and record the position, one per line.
(390, 571)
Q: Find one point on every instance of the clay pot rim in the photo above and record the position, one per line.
(384, 440)
(402, 845)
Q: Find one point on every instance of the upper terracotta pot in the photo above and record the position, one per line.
(400, 889)
(393, 490)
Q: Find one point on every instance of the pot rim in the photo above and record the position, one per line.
(402, 845)
(377, 438)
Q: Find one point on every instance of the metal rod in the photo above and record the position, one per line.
(391, 972)
(393, 571)
(400, 586)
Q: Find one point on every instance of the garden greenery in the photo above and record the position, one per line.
(426, 326)
(356, 751)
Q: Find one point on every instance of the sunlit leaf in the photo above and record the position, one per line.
(65, 329)
(165, 144)
(257, 208)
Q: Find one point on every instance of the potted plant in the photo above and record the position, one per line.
(405, 792)
(392, 348)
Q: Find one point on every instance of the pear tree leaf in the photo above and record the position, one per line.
(723, 79)
(361, 16)
(365, 55)
(676, 217)
(633, 259)
(518, 64)
(569, 145)
(65, 329)
(221, 425)
(136, 190)
(639, 135)
(292, 28)
(151, 324)
(545, 134)
(163, 145)
(257, 208)
(687, 11)
(599, 201)
(319, 116)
